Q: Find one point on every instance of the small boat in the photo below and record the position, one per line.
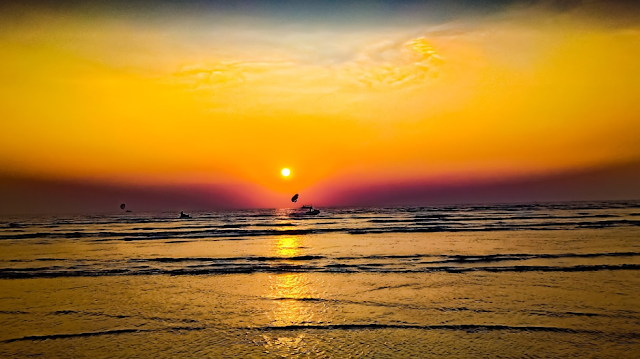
(184, 215)
(306, 206)
(309, 211)
(312, 211)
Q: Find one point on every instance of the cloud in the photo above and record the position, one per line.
(389, 64)
(223, 73)
(383, 64)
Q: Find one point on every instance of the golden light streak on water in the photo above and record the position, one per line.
(292, 295)
(288, 246)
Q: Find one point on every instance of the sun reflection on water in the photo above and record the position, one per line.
(294, 297)
(288, 246)
(290, 291)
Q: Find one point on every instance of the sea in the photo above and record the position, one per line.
(537, 280)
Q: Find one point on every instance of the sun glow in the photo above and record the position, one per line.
(286, 172)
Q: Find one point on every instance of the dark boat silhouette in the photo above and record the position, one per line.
(309, 211)
(184, 215)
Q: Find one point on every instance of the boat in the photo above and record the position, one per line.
(309, 211)
(184, 215)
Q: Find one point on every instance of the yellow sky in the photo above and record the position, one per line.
(235, 101)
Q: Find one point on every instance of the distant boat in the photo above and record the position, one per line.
(309, 211)
(184, 215)
(312, 211)
(128, 211)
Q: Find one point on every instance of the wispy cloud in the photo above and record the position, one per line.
(383, 64)
(395, 63)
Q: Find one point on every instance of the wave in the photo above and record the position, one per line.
(226, 268)
(226, 259)
(520, 257)
(470, 328)
(376, 263)
(74, 335)
(158, 234)
(97, 333)
(403, 305)
(441, 257)
(236, 227)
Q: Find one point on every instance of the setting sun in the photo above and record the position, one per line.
(286, 172)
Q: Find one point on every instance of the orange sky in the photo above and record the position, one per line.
(230, 99)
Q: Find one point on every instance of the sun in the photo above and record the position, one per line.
(285, 172)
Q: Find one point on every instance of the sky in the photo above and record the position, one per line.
(200, 104)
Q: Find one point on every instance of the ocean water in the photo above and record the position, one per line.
(527, 280)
